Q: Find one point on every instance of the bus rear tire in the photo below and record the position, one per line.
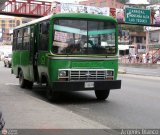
(22, 81)
(102, 94)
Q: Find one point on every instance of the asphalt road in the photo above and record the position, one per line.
(145, 70)
(136, 105)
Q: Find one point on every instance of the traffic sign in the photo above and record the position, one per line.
(137, 16)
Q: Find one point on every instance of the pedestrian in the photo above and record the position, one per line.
(147, 58)
(2, 123)
(137, 58)
(140, 58)
(129, 57)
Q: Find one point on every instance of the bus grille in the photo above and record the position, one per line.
(87, 75)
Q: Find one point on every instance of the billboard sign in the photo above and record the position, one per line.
(75, 8)
(147, 17)
(137, 16)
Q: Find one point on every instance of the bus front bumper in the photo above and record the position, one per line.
(86, 85)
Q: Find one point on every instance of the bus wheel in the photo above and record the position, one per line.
(49, 93)
(29, 84)
(102, 94)
(8, 65)
(22, 81)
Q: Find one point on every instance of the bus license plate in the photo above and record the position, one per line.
(89, 85)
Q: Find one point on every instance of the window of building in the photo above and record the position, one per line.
(92, 4)
(138, 39)
(11, 25)
(10, 21)
(3, 21)
(17, 22)
(154, 37)
(103, 4)
(24, 21)
(3, 25)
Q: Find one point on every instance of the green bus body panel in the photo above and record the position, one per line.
(54, 65)
(42, 63)
(21, 60)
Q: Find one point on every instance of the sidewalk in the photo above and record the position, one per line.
(24, 111)
(140, 69)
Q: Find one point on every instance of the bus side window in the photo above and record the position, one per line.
(44, 35)
(14, 40)
(26, 38)
(19, 39)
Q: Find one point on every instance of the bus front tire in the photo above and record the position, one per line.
(22, 81)
(29, 84)
(102, 94)
(49, 93)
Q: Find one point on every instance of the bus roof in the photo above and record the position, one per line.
(34, 21)
(69, 15)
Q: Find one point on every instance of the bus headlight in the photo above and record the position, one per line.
(109, 73)
(62, 73)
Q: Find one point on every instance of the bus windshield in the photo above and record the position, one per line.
(84, 37)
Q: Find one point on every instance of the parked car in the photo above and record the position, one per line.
(8, 60)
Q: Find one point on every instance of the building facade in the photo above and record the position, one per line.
(103, 3)
(7, 25)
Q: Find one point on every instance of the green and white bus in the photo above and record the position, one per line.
(68, 52)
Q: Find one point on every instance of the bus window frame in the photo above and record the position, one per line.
(15, 40)
(99, 20)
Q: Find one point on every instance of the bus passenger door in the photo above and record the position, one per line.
(33, 53)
